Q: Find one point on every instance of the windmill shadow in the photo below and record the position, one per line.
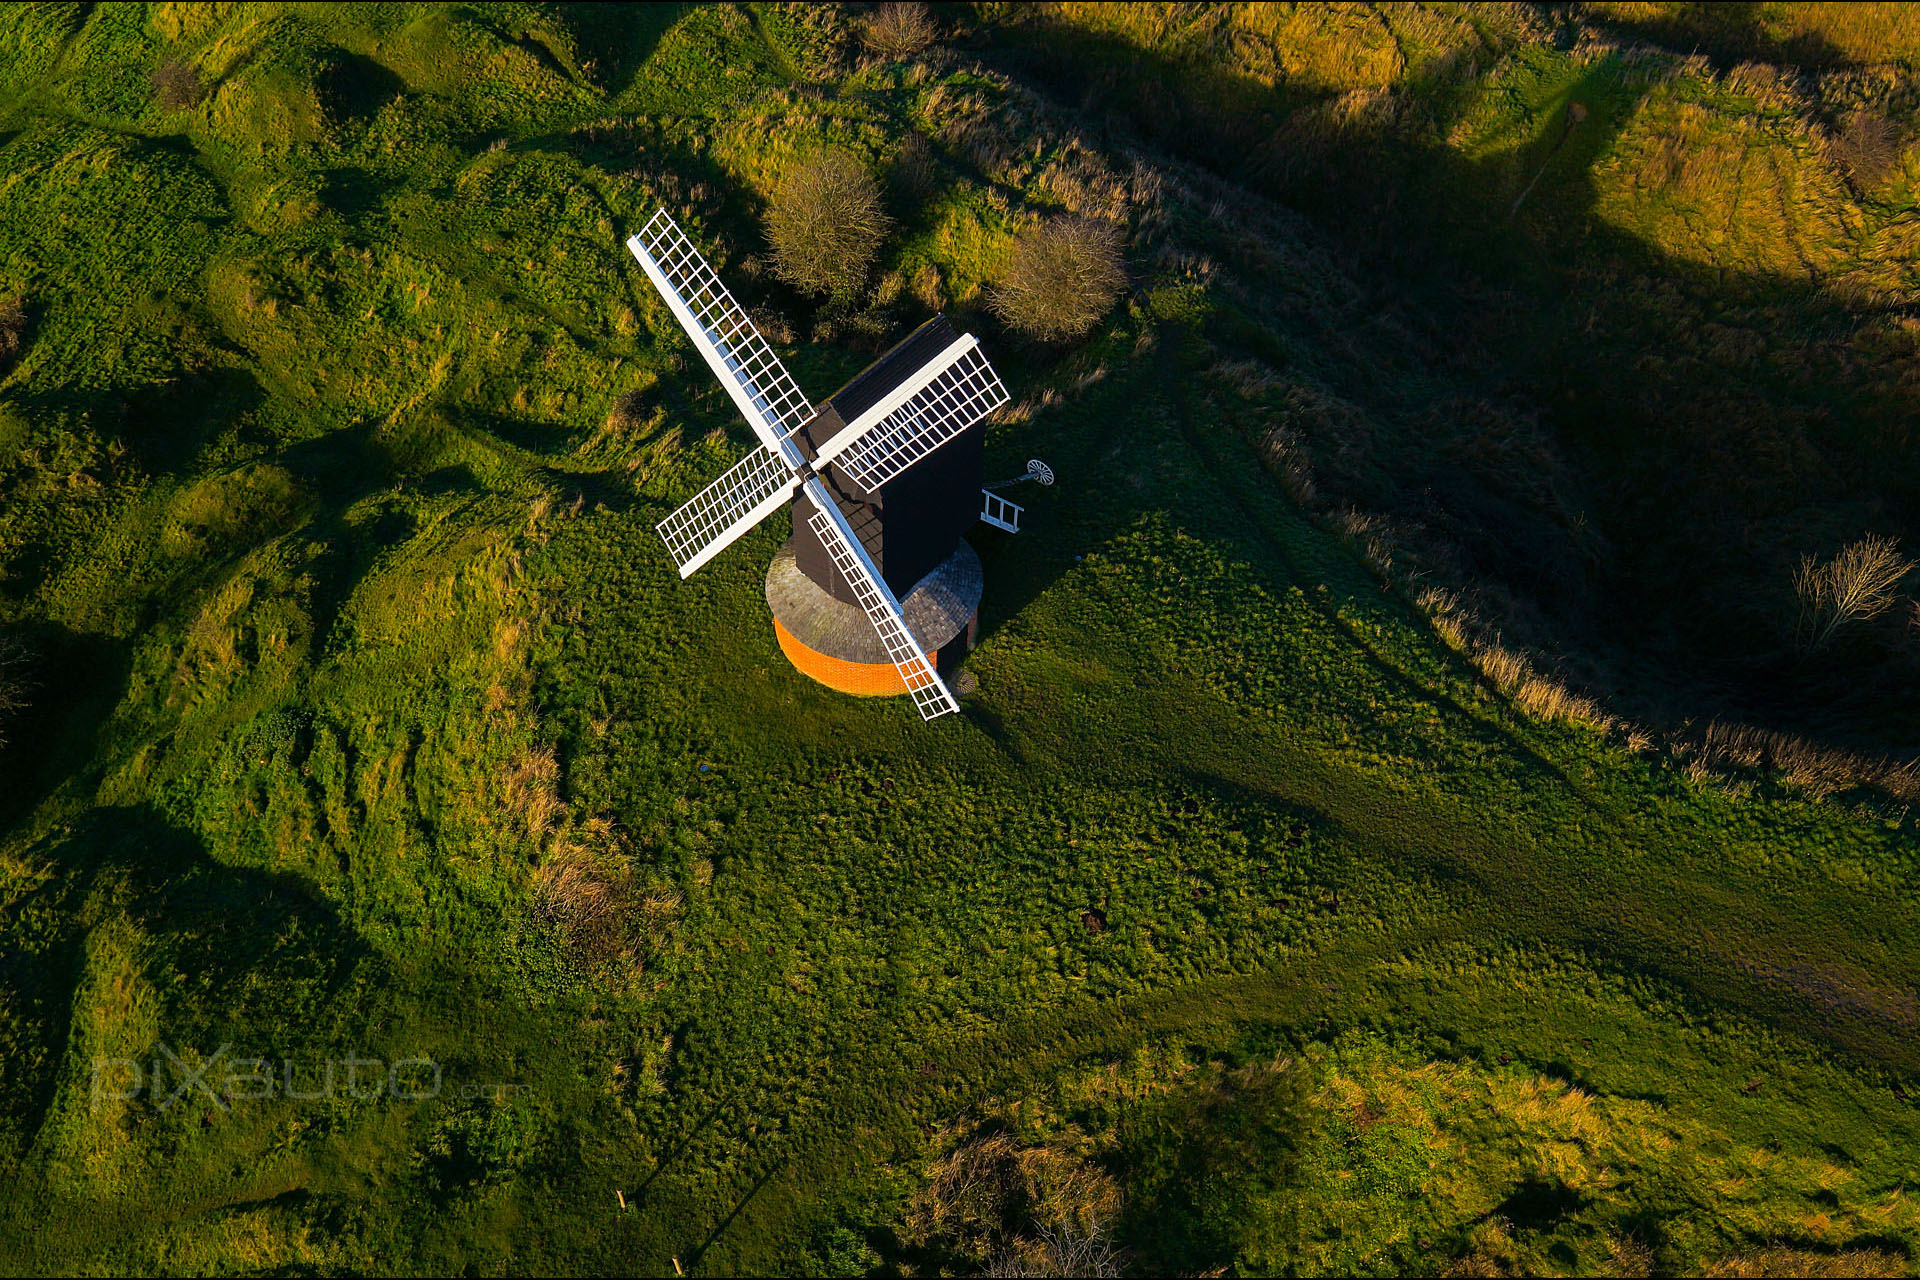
(1664, 572)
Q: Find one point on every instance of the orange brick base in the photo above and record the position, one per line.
(861, 679)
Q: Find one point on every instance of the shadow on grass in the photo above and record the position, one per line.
(236, 955)
(617, 38)
(1692, 483)
(73, 682)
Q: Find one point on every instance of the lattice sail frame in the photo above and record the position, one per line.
(714, 518)
(753, 375)
(955, 398)
(930, 694)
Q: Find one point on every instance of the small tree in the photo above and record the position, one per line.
(13, 329)
(825, 225)
(1854, 586)
(176, 85)
(1060, 279)
(1868, 146)
(13, 682)
(899, 30)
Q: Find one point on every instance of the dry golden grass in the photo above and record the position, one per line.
(1818, 770)
(1857, 32)
(1787, 1261)
(1721, 185)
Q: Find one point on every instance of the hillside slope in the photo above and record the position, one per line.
(519, 909)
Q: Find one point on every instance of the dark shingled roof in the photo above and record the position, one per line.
(872, 383)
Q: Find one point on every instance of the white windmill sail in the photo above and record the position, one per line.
(714, 518)
(930, 693)
(944, 397)
(907, 426)
(746, 366)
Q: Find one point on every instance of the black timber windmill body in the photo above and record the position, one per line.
(883, 478)
(912, 523)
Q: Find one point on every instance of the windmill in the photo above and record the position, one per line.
(883, 479)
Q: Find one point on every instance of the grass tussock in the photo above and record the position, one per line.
(610, 917)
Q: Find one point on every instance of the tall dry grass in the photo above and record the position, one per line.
(1816, 769)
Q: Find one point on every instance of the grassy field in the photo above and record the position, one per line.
(1242, 921)
(1630, 331)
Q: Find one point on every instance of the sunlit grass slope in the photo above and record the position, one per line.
(371, 724)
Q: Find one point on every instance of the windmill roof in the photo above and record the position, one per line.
(871, 384)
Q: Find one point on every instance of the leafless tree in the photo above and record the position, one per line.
(177, 86)
(13, 681)
(1867, 146)
(825, 224)
(1060, 279)
(1083, 1248)
(899, 30)
(1856, 585)
(13, 329)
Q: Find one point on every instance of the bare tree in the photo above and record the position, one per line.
(13, 682)
(1854, 586)
(1060, 279)
(1867, 146)
(899, 30)
(176, 85)
(1065, 1248)
(13, 329)
(825, 225)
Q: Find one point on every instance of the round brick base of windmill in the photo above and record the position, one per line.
(833, 641)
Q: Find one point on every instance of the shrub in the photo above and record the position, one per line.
(1867, 145)
(899, 30)
(176, 85)
(13, 329)
(1060, 279)
(825, 225)
(1854, 586)
(13, 682)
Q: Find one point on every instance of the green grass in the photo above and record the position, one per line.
(352, 634)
